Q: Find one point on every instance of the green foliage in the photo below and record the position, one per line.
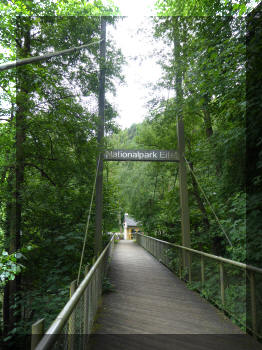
(107, 287)
(212, 62)
(203, 8)
(45, 302)
(59, 150)
(9, 266)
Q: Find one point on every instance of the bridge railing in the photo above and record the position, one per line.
(73, 325)
(233, 286)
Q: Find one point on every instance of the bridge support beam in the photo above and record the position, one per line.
(185, 225)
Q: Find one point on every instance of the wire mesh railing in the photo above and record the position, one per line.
(72, 327)
(233, 286)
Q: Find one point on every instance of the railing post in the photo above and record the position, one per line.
(180, 263)
(166, 257)
(253, 302)
(71, 323)
(97, 285)
(202, 272)
(94, 296)
(222, 284)
(152, 246)
(86, 305)
(37, 333)
(100, 278)
(189, 267)
(90, 305)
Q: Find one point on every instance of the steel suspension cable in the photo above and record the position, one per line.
(28, 60)
(208, 203)
(88, 219)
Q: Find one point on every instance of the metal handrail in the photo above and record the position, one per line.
(215, 257)
(55, 329)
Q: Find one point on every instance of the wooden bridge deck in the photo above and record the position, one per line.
(153, 309)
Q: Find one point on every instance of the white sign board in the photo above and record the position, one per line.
(141, 155)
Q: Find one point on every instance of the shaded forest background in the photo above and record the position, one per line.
(48, 146)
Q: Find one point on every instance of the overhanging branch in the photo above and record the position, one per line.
(43, 173)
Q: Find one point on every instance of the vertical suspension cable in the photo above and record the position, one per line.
(88, 219)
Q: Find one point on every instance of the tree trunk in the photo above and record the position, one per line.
(13, 314)
(100, 141)
(207, 117)
(185, 222)
(199, 200)
(216, 241)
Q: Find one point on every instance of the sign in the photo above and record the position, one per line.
(141, 155)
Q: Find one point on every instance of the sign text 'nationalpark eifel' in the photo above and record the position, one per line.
(141, 155)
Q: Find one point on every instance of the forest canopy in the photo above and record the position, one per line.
(49, 149)
(48, 153)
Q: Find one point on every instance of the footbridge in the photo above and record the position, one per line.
(159, 295)
(153, 300)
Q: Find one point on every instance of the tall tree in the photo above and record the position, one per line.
(52, 176)
(100, 139)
